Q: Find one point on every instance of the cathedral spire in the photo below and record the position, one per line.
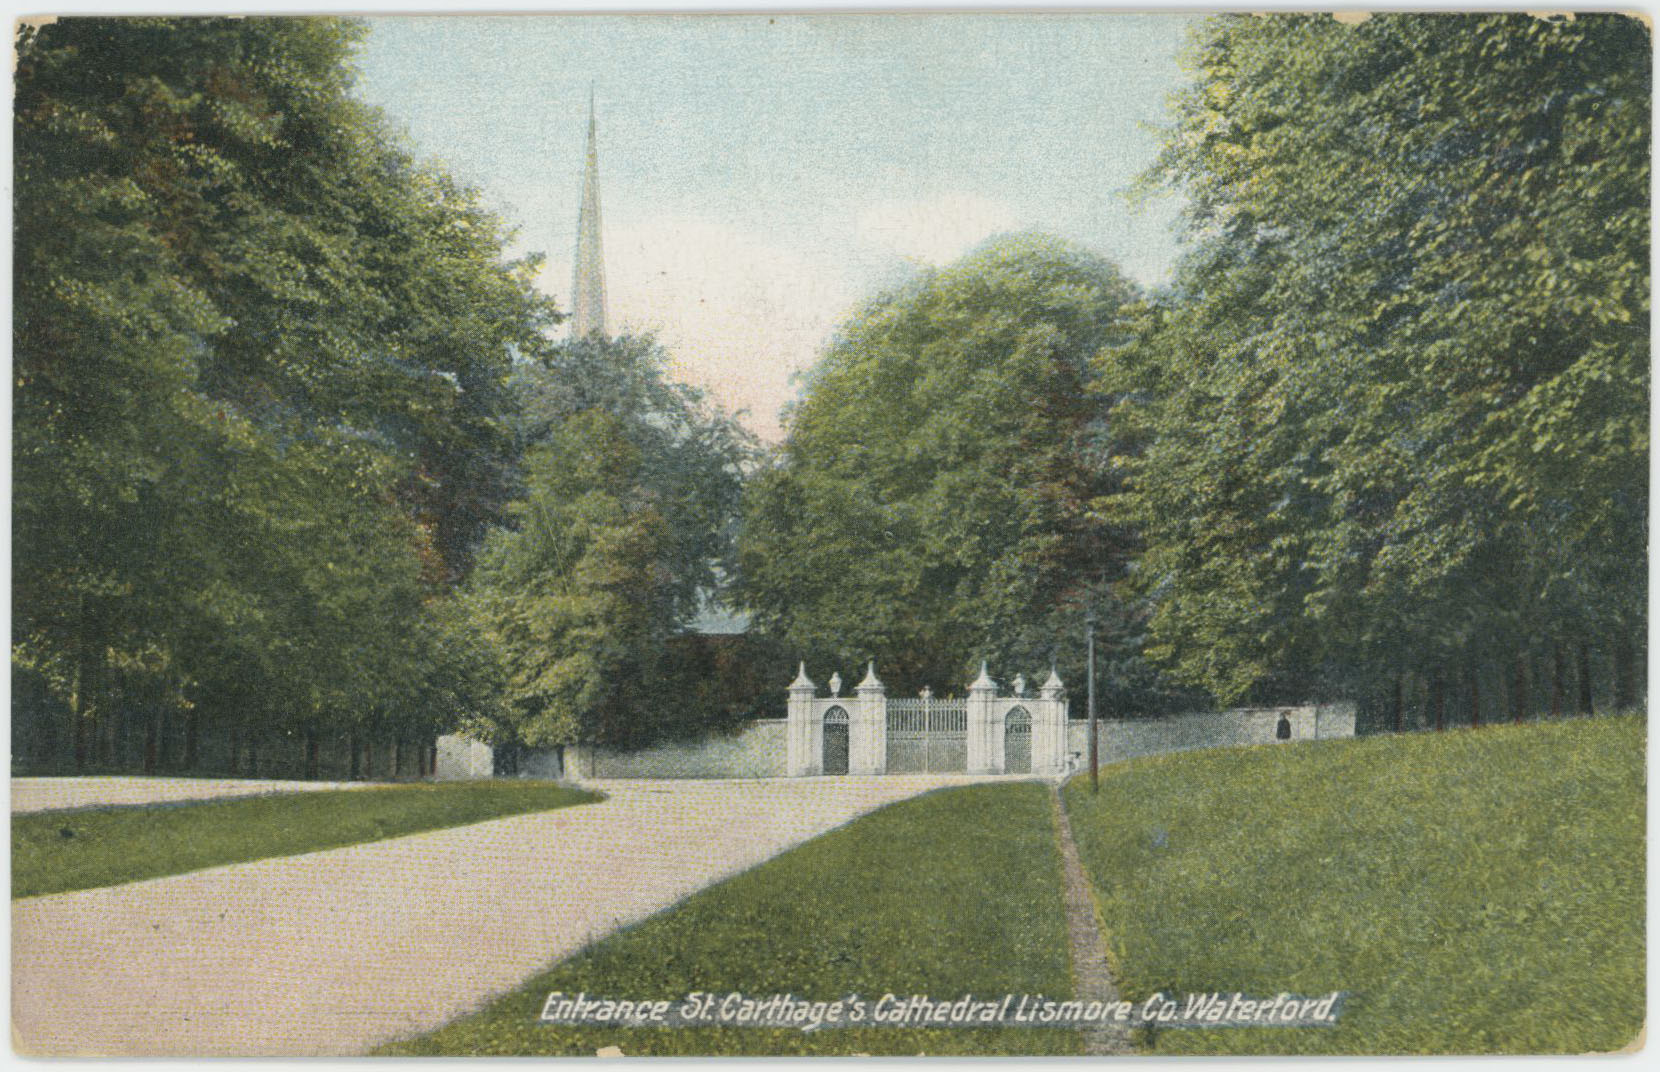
(588, 279)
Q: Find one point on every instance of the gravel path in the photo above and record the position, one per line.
(51, 794)
(335, 952)
(1091, 971)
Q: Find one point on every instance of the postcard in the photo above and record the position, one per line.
(790, 534)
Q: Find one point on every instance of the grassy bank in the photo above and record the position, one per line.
(957, 891)
(57, 851)
(1473, 891)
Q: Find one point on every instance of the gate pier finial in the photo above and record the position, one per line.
(984, 681)
(871, 681)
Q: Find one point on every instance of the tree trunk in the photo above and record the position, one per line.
(311, 755)
(116, 705)
(1475, 699)
(97, 693)
(1395, 703)
(152, 732)
(355, 763)
(92, 685)
(397, 756)
(112, 726)
(164, 733)
(253, 754)
(1518, 691)
(1559, 684)
(1625, 674)
(44, 738)
(369, 759)
(236, 749)
(191, 721)
(77, 680)
(76, 721)
(1438, 700)
(432, 758)
(1585, 705)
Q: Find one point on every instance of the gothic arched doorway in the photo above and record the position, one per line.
(835, 741)
(1017, 742)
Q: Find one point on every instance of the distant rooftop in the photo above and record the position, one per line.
(718, 620)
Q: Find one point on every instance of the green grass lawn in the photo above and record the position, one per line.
(73, 850)
(956, 891)
(1473, 891)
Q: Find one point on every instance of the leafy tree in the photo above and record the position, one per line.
(260, 390)
(1394, 414)
(935, 500)
(631, 484)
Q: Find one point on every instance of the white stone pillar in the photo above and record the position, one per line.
(800, 759)
(462, 758)
(867, 731)
(1049, 728)
(984, 744)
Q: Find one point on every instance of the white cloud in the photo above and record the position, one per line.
(934, 230)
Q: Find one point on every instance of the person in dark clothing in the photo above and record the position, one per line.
(1283, 730)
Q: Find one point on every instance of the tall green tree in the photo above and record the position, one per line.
(1395, 410)
(935, 501)
(261, 366)
(631, 485)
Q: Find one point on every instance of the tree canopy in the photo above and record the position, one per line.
(261, 362)
(934, 503)
(630, 494)
(295, 452)
(1394, 414)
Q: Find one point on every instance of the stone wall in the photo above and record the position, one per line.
(462, 758)
(759, 749)
(1122, 740)
(756, 751)
(546, 764)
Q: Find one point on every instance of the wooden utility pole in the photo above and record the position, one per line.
(1094, 739)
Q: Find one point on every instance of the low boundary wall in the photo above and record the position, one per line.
(756, 751)
(1122, 739)
(760, 748)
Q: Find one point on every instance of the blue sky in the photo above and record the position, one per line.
(762, 174)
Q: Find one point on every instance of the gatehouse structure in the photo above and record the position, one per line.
(982, 733)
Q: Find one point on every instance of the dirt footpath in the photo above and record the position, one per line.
(335, 952)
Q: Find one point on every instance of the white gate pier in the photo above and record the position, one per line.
(928, 734)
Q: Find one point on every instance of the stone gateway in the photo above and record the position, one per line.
(872, 734)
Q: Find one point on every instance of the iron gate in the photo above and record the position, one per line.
(835, 741)
(927, 735)
(1017, 742)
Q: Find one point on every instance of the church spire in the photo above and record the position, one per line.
(588, 279)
